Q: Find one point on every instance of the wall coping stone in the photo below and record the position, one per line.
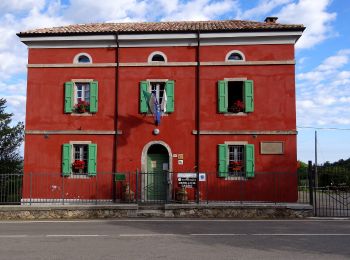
(68, 207)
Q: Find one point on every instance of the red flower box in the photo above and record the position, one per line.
(236, 166)
(82, 106)
(238, 106)
(78, 165)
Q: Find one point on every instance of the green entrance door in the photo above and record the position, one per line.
(156, 176)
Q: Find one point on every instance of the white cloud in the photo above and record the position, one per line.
(329, 67)
(14, 88)
(314, 16)
(264, 7)
(88, 11)
(198, 10)
(324, 93)
(16, 104)
(20, 5)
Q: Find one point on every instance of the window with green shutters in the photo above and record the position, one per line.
(157, 93)
(81, 97)
(79, 159)
(236, 160)
(235, 96)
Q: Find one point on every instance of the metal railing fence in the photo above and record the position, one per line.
(152, 188)
(11, 188)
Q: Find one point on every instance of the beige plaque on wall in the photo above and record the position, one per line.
(272, 148)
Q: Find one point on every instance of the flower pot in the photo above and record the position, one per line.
(181, 195)
(128, 194)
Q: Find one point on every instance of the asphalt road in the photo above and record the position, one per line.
(175, 239)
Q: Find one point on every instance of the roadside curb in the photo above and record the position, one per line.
(206, 211)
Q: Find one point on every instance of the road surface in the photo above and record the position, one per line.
(175, 239)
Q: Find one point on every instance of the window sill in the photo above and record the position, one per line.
(79, 176)
(236, 114)
(149, 115)
(81, 114)
(235, 178)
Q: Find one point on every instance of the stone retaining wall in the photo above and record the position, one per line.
(237, 211)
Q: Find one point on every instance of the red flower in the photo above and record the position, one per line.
(238, 106)
(236, 164)
(78, 164)
(82, 106)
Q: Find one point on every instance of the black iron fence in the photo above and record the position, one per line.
(155, 188)
(11, 188)
(327, 189)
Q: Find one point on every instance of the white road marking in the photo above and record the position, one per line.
(146, 235)
(176, 235)
(67, 235)
(13, 236)
(267, 234)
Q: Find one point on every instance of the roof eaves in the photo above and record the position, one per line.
(48, 34)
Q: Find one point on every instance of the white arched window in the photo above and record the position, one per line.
(157, 56)
(82, 58)
(235, 56)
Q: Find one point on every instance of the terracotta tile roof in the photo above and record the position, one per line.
(145, 27)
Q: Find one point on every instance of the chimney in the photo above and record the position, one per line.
(270, 19)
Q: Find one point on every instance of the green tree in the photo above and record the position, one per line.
(11, 138)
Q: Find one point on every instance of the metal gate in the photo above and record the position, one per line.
(329, 190)
(153, 188)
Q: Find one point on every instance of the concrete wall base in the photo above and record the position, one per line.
(235, 211)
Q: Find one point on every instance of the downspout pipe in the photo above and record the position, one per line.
(115, 143)
(198, 113)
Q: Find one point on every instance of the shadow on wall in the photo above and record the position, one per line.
(127, 123)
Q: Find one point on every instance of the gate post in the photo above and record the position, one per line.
(309, 173)
(137, 186)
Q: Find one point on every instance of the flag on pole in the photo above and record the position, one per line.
(164, 101)
(151, 101)
(157, 112)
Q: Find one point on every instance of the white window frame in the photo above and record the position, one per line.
(72, 156)
(149, 89)
(76, 58)
(75, 82)
(234, 51)
(228, 143)
(240, 113)
(155, 53)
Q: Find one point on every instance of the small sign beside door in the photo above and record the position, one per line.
(187, 180)
(153, 164)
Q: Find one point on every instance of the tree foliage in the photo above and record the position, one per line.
(11, 138)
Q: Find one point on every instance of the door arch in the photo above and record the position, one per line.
(145, 152)
(156, 160)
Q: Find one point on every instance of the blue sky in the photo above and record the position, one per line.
(322, 54)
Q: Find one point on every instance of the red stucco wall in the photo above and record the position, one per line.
(274, 101)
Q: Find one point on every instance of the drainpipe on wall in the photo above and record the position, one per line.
(198, 113)
(115, 143)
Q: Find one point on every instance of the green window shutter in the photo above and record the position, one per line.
(66, 162)
(93, 96)
(170, 94)
(248, 97)
(222, 96)
(144, 96)
(222, 156)
(249, 160)
(92, 158)
(68, 97)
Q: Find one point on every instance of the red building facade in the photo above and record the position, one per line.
(224, 92)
